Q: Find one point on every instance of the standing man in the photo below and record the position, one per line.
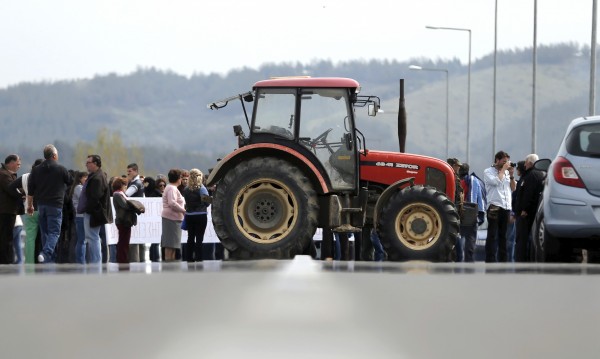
(499, 183)
(135, 188)
(455, 163)
(48, 183)
(94, 203)
(8, 208)
(528, 195)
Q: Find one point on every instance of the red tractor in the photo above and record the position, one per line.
(304, 164)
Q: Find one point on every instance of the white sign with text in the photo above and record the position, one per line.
(149, 226)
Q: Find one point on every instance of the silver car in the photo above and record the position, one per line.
(568, 216)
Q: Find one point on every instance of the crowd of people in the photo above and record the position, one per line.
(509, 205)
(64, 212)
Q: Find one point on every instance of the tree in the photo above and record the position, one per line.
(115, 155)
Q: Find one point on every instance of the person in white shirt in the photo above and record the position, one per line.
(135, 188)
(499, 183)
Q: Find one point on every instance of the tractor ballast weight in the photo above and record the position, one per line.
(304, 165)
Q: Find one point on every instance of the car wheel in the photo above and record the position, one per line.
(547, 248)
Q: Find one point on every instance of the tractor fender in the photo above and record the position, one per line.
(387, 193)
(262, 149)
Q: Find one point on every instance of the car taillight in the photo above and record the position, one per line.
(564, 173)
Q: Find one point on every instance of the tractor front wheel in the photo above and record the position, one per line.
(419, 223)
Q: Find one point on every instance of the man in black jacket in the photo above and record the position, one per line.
(8, 207)
(48, 183)
(94, 203)
(528, 195)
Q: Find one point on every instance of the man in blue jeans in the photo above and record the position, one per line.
(95, 205)
(48, 183)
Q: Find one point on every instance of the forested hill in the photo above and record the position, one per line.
(166, 117)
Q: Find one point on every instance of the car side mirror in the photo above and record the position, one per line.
(542, 165)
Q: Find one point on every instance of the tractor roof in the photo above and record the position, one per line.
(315, 82)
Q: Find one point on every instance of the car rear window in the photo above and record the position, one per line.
(584, 141)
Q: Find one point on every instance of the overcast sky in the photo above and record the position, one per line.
(47, 40)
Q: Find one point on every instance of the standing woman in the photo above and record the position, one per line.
(172, 215)
(196, 217)
(160, 185)
(125, 218)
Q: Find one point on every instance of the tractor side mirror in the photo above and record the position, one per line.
(373, 108)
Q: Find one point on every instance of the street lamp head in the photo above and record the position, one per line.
(415, 67)
(446, 28)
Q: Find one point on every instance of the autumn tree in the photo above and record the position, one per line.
(115, 155)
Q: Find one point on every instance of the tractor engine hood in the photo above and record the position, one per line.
(387, 167)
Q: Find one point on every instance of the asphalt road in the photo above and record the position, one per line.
(300, 309)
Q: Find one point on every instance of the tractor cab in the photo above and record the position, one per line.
(313, 116)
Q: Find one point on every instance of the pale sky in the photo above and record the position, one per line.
(50, 40)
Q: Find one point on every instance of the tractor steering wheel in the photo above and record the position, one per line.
(321, 138)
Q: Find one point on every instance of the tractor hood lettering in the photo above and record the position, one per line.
(397, 165)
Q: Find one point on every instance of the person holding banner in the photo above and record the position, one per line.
(125, 219)
(172, 215)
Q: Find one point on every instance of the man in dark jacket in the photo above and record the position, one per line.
(528, 196)
(94, 203)
(48, 183)
(8, 207)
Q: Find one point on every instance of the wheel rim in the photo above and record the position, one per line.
(418, 226)
(540, 236)
(264, 211)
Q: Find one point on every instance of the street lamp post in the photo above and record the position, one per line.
(592, 110)
(534, 72)
(419, 68)
(468, 82)
(494, 80)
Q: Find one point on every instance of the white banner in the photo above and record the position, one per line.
(149, 226)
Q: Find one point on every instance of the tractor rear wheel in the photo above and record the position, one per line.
(265, 208)
(419, 223)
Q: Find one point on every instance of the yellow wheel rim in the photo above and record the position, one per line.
(418, 226)
(264, 211)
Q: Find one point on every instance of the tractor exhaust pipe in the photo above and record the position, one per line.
(402, 119)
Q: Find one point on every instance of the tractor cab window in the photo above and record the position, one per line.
(324, 127)
(275, 112)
